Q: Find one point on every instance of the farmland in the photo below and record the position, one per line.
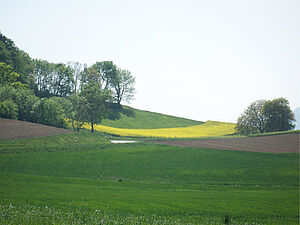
(82, 178)
(207, 129)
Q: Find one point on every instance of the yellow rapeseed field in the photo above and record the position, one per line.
(207, 129)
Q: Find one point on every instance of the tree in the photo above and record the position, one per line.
(253, 119)
(108, 72)
(27, 103)
(78, 69)
(42, 72)
(62, 80)
(52, 79)
(50, 112)
(279, 116)
(266, 116)
(90, 74)
(24, 99)
(76, 114)
(9, 77)
(17, 59)
(97, 102)
(123, 86)
(8, 109)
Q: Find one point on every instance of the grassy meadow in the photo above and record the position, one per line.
(81, 178)
(130, 118)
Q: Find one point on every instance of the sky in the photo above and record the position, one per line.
(198, 59)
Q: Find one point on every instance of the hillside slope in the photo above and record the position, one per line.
(131, 118)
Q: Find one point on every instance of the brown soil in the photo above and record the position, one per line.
(284, 143)
(15, 129)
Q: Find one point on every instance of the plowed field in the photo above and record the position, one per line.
(15, 129)
(284, 143)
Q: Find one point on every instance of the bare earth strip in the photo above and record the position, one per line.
(14, 129)
(284, 143)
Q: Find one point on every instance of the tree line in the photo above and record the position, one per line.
(49, 93)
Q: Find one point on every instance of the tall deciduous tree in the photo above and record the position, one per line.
(279, 116)
(266, 116)
(43, 73)
(108, 72)
(123, 86)
(62, 80)
(120, 82)
(97, 102)
(78, 69)
(52, 79)
(253, 119)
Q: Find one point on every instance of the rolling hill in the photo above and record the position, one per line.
(128, 121)
(131, 118)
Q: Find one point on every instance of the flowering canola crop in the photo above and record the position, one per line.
(207, 129)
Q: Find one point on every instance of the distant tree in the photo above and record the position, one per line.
(27, 103)
(8, 109)
(253, 119)
(62, 80)
(52, 79)
(50, 112)
(9, 77)
(43, 75)
(97, 103)
(17, 59)
(24, 99)
(76, 114)
(89, 74)
(78, 69)
(7, 92)
(120, 82)
(279, 116)
(107, 71)
(123, 86)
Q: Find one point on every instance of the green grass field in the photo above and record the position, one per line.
(131, 118)
(83, 179)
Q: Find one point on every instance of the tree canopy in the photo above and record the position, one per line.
(279, 115)
(266, 116)
(253, 119)
(16, 58)
(96, 104)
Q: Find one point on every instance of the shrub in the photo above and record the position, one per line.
(8, 109)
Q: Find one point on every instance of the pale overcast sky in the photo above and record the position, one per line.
(203, 60)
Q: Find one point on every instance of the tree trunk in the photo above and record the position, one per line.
(92, 124)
